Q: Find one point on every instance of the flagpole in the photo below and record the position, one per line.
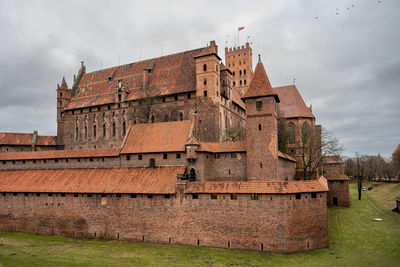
(238, 38)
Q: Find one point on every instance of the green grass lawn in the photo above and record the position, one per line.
(355, 240)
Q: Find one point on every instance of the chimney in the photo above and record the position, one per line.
(214, 47)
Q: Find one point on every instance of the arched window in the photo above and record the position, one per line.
(60, 94)
(76, 132)
(152, 118)
(234, 84)
(240, 82)
(192, 176)
(205, 81)
(104, 130)
(205, 67)
(180, 116)
(305, 130)
(244, 73)
(233, 74)
(244, 82)
(216, 68)
(113, 129)
(292, 133)
(240, 73)
(59, 103)
(85, 131)
(123, 129)
(94, 130)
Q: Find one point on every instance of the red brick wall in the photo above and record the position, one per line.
(339, 190)
(274, 223)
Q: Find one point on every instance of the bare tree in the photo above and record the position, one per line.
(283, 135)
(360, 161)
(314, 146)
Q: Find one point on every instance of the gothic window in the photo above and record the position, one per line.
(292, 133)
(113, 129)
(123, 129)
(244, 82)
(60, 94)
(205, 81)
(205, 67)
(104, 130)
(85, 134)
(216, 68)
(305, 129)
(244, 73)
(180, 116)
(152, 118)
(240, 73)
(233, 74)
(240, 82)
(76, 133)
(119, 97)
(205, 93)
(234, 84)
(192, 174)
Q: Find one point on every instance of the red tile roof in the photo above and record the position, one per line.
(169, 75)
(237, 99)
(336, 177)
(157, 137)
(286, 156)
(260, 85)
(333, 160)
(25, 139)
(59, 154)
(292, 104)
(397, 150)
(221, 147)
(243, 187)
(118, 180)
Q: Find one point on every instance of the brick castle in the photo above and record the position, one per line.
(180, 149)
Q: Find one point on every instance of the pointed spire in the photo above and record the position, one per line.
(260, 85)
(63, 84)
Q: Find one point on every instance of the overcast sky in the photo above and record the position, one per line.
(347, 65)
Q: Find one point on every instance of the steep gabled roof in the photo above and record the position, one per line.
(157, 137)
(333, 160)
(25, 139)
(167, 75)
(397, 150)
(292, 104)
(160, 180)
(260, 84)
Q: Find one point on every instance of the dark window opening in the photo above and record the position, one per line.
(259, 127)
(113, 129)
(166, 196)
(163, 99)
(128, 157)
(89, 195)
(254, 196)
(180, 116)
(91, 159)
(149, 196)
(341, 182)
(118, 195)
(50, 194)
(152, 118)
(178, 155)
(165, 156)
(176, 97)
(94, 130)
(314, 195)
(335, 201)
(188, 96)
(244, 82)
(133, 195)
(214, 196)
(76, 195)
(123, 128)
(14, 194)
(260, 165)
(104, 130)
(62, 194)
(152, 163)
(26, 194)
(140, 157)
(205, 93)
(4, 162)
(38, 194)
(119, 97)
(298, 196)
(205, 81)
(205, 67)
(259, 105)
(195, 196)
(192, 174)
(233, 196)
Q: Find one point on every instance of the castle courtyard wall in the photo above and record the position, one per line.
(267, 222)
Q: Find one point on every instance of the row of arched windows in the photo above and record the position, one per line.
(240, 73)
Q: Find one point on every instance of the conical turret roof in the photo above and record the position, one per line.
(260, 85)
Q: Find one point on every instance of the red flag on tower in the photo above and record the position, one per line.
(241, 28)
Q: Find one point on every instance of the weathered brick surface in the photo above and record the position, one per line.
(274, 223)
(340, 191)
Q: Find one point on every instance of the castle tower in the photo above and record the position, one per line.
(239, 61)
(63, 97)
(208, 90)
(261, 128)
